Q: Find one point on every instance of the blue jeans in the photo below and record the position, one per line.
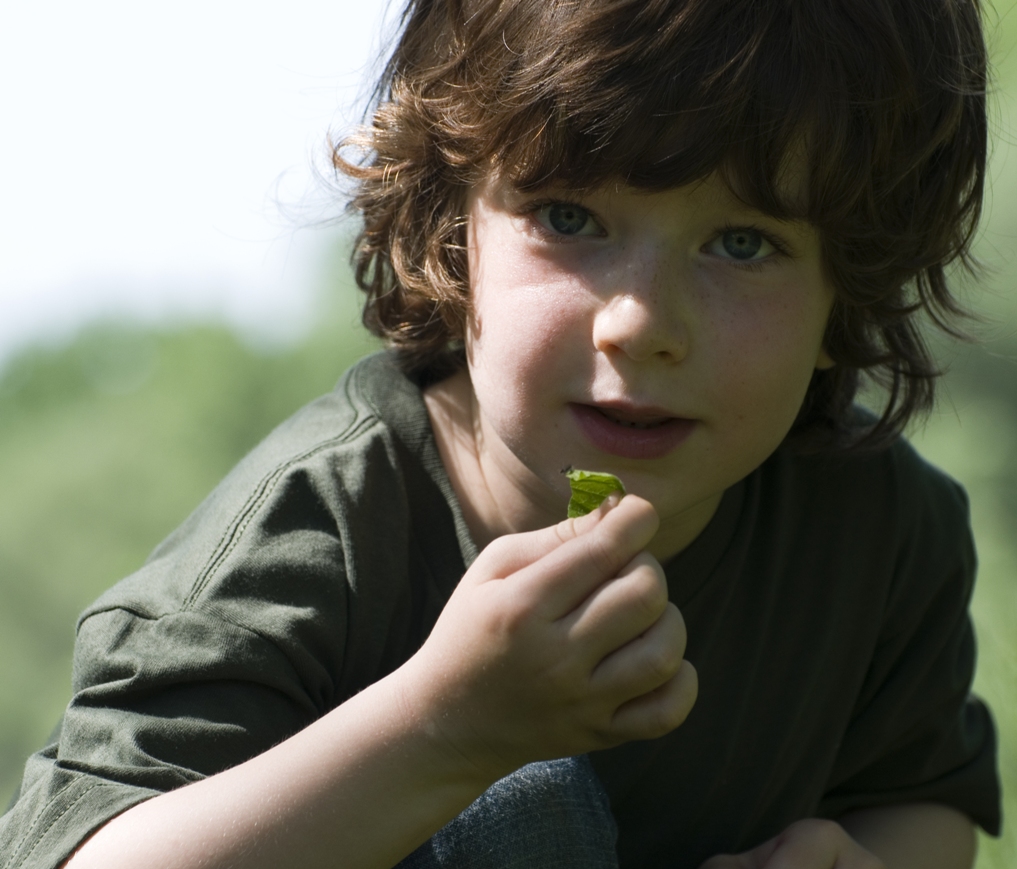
(549, 814)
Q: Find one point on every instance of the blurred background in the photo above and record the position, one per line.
(174, 282)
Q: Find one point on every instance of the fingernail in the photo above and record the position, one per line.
(611, 501)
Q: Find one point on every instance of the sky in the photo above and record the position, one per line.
(158, 159)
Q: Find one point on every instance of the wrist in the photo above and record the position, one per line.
(431, 721)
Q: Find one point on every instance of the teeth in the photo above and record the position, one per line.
(630, 424)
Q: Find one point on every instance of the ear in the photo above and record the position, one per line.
(823, 360)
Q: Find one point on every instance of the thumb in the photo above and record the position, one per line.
(512, 552)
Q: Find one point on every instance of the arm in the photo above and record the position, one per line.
(555, 643)
(907, 836)
(364, 782)
(918, 835)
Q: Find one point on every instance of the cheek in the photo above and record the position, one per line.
(526, 320)
(516, 337)
(767, 352)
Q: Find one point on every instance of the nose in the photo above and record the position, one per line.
(643, 323)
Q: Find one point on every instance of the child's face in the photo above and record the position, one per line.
(668, 338)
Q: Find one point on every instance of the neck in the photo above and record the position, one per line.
(495, 500)
(673, 536)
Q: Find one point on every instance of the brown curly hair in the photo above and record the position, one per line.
(881, 101)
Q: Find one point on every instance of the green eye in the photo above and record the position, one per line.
(742, 243)
(567, 219)
(589, 489)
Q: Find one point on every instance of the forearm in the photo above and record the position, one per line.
(915, 835)
(361, 787)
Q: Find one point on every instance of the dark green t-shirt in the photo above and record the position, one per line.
(826, 607)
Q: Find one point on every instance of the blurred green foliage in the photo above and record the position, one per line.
(973, 436)
(108, 442)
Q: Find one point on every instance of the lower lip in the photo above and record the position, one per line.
(628, 442)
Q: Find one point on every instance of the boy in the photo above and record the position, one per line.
(660, 239)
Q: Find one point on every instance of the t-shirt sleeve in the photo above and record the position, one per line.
(162, 702)
(229, 640)
(314, 569)
(917, 734)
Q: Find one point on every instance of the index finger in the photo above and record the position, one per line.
(506, 555)
(569, 573)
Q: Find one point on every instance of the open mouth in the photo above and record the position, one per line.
(633, 434)
(630, 422)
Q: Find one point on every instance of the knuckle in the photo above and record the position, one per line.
(650, 592)
(496, 554)
(663, 663)
(602, 554)
(657, 593)
(671, 716)
(566, 530)
(674, 627)
(507, 614)
(817, 832)
(660, 724)
(827, 830)
(660, 667)
(686, 690)
(607, 737)
(668, 711)
(650, 609)
(679, 625)
(619, 540)
(672, 713)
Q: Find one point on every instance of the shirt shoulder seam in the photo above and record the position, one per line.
(234, 532)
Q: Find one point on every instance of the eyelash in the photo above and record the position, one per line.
(780, 248)
(530, 210)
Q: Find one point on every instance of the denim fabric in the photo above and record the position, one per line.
(548, 815)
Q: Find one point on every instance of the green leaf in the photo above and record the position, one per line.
(589, 489)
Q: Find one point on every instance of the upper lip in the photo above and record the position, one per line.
(631, 412)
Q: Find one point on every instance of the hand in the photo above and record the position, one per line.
(555, 642)
(808, 844)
